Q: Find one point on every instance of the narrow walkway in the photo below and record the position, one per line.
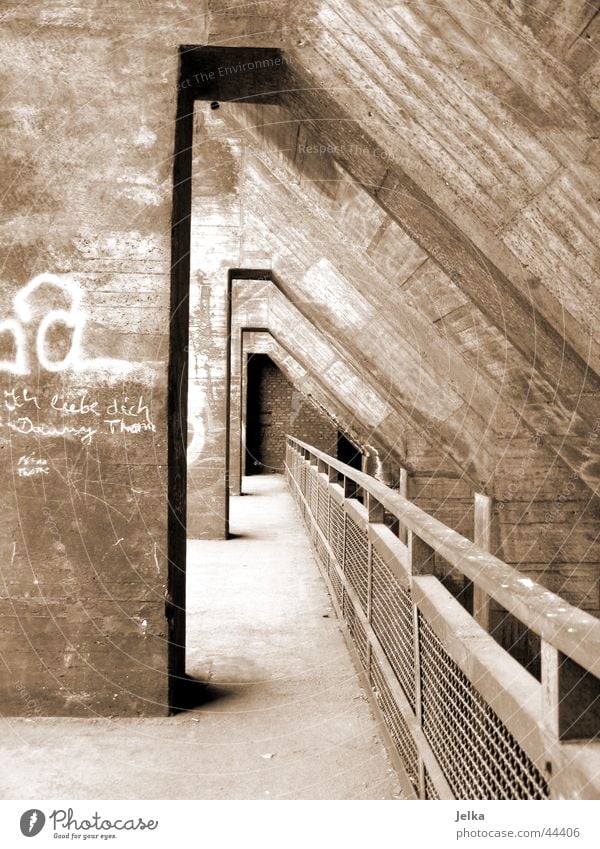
(287, 718)
(270, 642)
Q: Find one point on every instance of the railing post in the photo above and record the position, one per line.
(421, 556)
(375, 508)
(421, 560)
(349, 487)
(403, 491)
(482, 536)
(550, 702)
(570, 709)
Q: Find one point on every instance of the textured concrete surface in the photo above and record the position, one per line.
(89, 93)
(446, 246)
(286, 715)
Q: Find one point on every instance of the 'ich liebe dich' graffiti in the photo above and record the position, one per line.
(28, 413)
(77, 414)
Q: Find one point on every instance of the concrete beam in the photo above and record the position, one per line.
(556, 24)
(305, 383)
(463, 245)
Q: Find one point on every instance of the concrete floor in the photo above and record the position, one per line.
(287, 718)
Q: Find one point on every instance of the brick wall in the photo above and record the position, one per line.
(280, 410)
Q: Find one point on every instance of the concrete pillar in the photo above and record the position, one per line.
(249, 308)
(84, 344)
(216, 225)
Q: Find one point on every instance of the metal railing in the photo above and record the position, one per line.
(466, 719)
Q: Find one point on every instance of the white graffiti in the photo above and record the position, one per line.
(29, 466)
(74, 318)
(19, 364)
(37, 416)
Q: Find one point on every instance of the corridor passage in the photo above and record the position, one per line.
(262, 631)
(286, 715)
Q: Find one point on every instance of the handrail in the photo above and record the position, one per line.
(560, 624)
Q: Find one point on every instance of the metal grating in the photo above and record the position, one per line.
(477, 753)
(357, 632)
(322, 551)
(323, 509)
(314, 492)
(430, 791)
(336, 583)
(336, 530)
(356, 560)
(309, 488)
(392, 621)
(394, 720)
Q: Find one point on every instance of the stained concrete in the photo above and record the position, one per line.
(287, 716)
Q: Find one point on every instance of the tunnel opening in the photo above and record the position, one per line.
(348, 452)
(274, 409)
(347, 520)
(268, 406)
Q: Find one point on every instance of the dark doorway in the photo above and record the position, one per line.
(269, 400)
(274, 409)
(348, 453)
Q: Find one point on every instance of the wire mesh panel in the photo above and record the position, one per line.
(291, 460)
(302, 479)
(336, 583)
(356, 560)
(430, 791)
(323, 508)
(307, 484)
(392, 621)
(314, 493)
(336, 530)
(357, 631)
(304, 483)
(310, 497)
(479, 756)
(394, 720)
(322, 551)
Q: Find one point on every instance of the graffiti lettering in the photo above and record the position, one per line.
(25, 425)
(119, 426)
(126, 408)
(30, 465)
(73, 408)
(13, 401)
(73, 318)
(19, 364)
(31, 416)
(196, 444)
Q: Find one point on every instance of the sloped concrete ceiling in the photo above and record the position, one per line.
(302, 380)
(480, 149)
(320, 369)
(424, 196)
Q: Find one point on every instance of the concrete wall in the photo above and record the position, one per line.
(89, 98)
